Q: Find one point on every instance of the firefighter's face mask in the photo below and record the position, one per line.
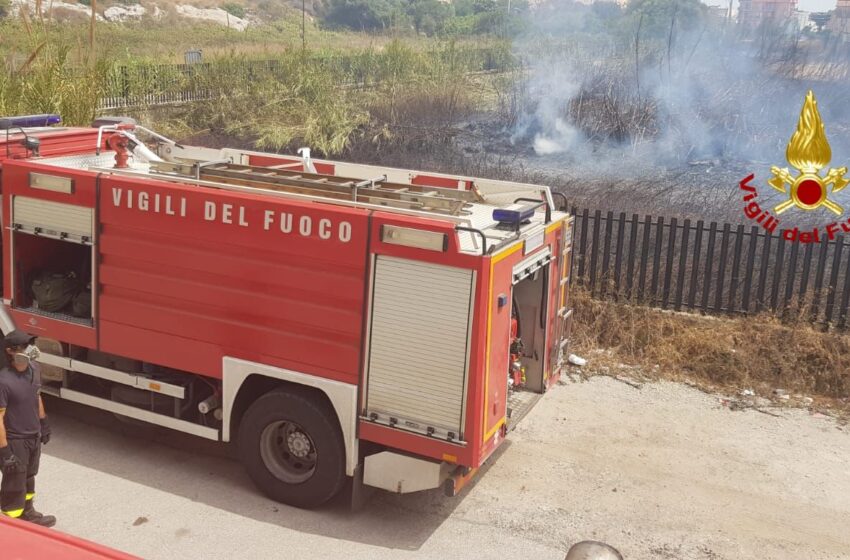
(23, 357)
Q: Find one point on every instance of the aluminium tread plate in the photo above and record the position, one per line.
(58, 316)
(520, 403)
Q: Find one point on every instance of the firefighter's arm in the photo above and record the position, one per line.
(7, 458)
(8, 462)
(45, 425)
(3, 441)
(4, 402)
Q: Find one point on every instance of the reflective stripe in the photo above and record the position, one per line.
(14, 512)
(30, 496)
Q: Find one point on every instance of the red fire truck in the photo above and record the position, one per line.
(333, 319)
(20, 540)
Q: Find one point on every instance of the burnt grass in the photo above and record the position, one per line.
(759, 353)
(699, 189)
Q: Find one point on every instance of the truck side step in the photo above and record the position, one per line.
(136, 381)
(520, 403)
(139, 414)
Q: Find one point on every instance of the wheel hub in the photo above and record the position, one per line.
(288, 452)
(299, 444)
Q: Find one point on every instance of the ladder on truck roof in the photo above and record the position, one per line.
(372, 191)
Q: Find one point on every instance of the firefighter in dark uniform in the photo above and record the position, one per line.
(23, 429)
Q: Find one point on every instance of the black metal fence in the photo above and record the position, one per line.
(711, 267)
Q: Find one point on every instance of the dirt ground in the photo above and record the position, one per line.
(666, 471)
(661, 472)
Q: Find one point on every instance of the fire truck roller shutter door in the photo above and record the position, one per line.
(292, 447)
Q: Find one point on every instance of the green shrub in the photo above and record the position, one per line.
(233, 9)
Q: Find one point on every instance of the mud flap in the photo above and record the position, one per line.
(458, 479)
(360, 494)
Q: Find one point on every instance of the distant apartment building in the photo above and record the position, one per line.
(752, 13)
(839, 23)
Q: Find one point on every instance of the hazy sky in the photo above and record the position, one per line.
(804, 5)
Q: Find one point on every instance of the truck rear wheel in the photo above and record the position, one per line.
(291, 445)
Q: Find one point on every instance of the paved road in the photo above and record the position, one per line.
(664, 472)
(163, 495)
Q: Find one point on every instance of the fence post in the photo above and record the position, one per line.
(777, 273)
(736, 266)
(845, 299)
(721, 271)
(618, 256)
(695, 263)
(765, 261)
(573, 238)
(824, 249)
(594, 250)
(751, 263)
(804, 280)
(605, 276)
(683, 261)
(833, 280)
(644, 249)
(583, 245)
(709, 264)
(656, 258)
(630, 267)
(791, 278)
(668, 264)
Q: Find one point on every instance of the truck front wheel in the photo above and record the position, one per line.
(291, 445)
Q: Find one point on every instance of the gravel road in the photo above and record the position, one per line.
(661, 472)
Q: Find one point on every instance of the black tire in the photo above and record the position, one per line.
(291, 445)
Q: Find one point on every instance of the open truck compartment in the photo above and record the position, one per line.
(422, 314)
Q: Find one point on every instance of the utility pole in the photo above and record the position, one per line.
(303, 26)
(91, 30)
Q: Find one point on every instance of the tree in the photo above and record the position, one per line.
(429, 16)
(606, 11)
(658, 15)
(234, 9)
(364, 15)
(5, 7)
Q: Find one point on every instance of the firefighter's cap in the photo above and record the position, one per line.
(17, 338)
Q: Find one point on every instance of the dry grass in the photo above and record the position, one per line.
(758, 353)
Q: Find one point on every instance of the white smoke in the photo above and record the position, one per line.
(704, 95)
(559, 138)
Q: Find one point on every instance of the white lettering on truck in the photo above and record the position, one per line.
(325, 228)
(285, 222)
(306, 225)
(230, 215)
(142, 200)
(209, 211)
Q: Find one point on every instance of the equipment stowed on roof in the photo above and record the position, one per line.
(371, 191)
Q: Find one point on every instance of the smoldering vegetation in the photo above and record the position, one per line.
(682, 118)
(658, 108)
